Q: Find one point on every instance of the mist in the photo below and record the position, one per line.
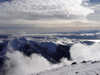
(19, 64)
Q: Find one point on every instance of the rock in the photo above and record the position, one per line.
(83, 62)
(73, 63)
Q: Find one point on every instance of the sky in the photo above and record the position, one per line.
(42, 16)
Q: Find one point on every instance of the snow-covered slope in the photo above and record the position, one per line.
(89, 68)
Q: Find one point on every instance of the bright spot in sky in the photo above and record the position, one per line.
(68, 15)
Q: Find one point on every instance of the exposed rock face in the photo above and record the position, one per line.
(61, 51)
(51, 51)
(74, 63)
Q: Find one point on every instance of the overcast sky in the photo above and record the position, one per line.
(39, 16)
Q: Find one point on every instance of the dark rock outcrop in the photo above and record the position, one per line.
(61, 51)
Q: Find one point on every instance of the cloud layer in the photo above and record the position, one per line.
(19, 64)
(46, 14)
(37, 9)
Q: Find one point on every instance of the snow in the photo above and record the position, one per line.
(94, 40)
(88, 68)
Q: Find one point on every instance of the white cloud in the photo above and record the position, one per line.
(80, 52)
(23, 65)
(19, 64)
(31, 9)
(43, 13)
(96, 15)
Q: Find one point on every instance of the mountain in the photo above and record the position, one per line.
(52, 47)
(51, 51)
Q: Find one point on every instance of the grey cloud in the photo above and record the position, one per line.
(36, 9)
(96, 15)
(34, 16)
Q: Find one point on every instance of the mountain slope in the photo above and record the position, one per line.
(89, 68)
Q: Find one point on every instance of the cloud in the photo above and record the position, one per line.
(80, 52)
(36, 9)
(23, 65)
(96, 15)
(95, 1)
(43, 13)
(2, 32)
(19, 64)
